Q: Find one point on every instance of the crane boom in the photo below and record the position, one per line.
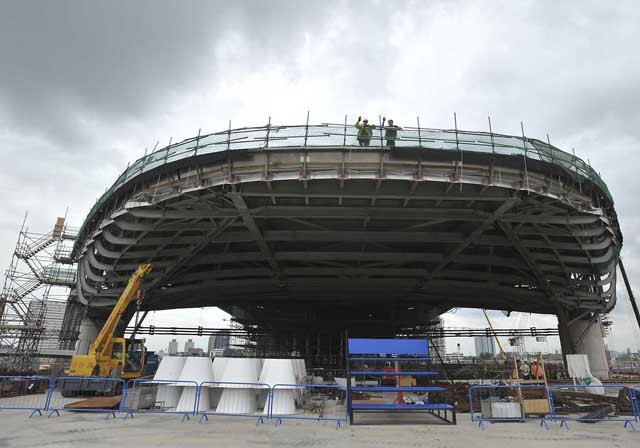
(111, 355)
(502, 352)
(101, 342)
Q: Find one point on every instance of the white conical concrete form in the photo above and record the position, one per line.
(240, 370)
(214, 396)
(300, 370)
(237, 401)
(168, 395)
(188, 397)
(280, 371)
(198, 369)
(169, 369)
(283, 402)
(219, 364)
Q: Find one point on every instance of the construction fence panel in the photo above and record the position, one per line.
(510, 403)
(148, 396)
(226, 398)
(86, 394)
(636, 402)
(594, 403)
(29, 393)
(320, 402)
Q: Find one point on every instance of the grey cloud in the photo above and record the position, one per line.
(118, 61)
(87, 81)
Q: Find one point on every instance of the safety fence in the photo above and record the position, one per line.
(555, 403)
(318, 402)
(29, 393)
(85, 394)
(234, 399)
(186, 399)
(575, 403)
(561, 403)
(508, 403)
(147, 396)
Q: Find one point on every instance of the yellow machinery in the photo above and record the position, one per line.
(111, 356)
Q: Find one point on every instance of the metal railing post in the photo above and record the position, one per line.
(524, 146)
(493, 145)
(344, 141)
(266, 145)
(419, 135)
(306, 131)
(166, 153)
(197, 142)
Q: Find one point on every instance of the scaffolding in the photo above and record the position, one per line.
(40, 265)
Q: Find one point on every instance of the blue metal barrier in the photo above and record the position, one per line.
(68, 390)
(25, 393)
(314, 406)
(572, 416)
(523, 417)
(636, 401)
(220, 385)
(166, 395)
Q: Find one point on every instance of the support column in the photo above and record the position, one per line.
(585, 337)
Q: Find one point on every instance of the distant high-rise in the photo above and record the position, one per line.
(173, 347)
(485, 344)
(212, 344)
(188, 345)
(221, 342)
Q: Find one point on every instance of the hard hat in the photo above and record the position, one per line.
(365, 119)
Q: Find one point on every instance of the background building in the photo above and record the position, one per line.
(211, 346)
(189, 345)
(484, 345)
(173, 347)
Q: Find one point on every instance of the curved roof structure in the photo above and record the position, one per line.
(300, 223)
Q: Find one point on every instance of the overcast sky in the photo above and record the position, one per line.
(86, 86)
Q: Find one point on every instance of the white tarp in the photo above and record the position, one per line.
(579, 370)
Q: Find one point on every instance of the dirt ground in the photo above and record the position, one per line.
(78, 430)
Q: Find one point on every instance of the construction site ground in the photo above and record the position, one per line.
(79, 430)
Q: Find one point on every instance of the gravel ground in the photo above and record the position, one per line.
(79, 430)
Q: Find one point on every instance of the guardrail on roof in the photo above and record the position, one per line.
(274, 137)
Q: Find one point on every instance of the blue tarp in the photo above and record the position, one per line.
(389, 346)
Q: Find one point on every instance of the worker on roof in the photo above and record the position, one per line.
(365, 131)
(390, 132)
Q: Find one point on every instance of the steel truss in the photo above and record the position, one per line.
(309, 236)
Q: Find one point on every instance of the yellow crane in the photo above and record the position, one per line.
(115, 356)
(502, 352)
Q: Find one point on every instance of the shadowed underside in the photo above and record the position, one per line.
(334, 235)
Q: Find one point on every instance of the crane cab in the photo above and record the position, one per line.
(123, 358)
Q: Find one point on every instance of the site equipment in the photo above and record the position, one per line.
(110, 356)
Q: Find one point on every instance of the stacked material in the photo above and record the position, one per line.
(281, 372)
(169, 369)
(239, 394)
(196, 370)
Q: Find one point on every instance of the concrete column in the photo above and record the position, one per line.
(584, 337)
(88, 333)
